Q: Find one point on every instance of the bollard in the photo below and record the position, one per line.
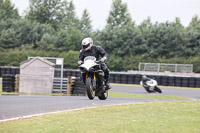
(69, 85)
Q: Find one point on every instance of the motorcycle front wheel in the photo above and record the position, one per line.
(90, 89)
(158, 89)
(103, 96)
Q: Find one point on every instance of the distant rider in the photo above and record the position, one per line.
(88, 49)
(145, 79)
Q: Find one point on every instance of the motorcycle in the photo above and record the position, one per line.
(151, 86)
(93, 78)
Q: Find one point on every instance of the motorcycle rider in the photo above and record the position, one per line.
(145, 79)
(88, 49)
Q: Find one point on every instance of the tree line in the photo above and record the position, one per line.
(51, 28)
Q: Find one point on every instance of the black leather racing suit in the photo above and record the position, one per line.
(96, 51)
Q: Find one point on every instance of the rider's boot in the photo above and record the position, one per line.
(107, 84)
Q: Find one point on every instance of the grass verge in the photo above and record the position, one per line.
(147, 96)
(156, 117)
(168, 87)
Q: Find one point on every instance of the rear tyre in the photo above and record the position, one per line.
(103, 96)
(90, 89)
(158, 89)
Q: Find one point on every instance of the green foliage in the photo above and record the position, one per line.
(51, 28)
(47, 42)
(7, 10)
(115, 63)
(14, 57)
(70, 59)
(70, 18)
(119, 15)
(15, 33)
(85, 24)
(47, 11)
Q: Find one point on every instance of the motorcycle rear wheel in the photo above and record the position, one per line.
(103, 96)
(90, 89)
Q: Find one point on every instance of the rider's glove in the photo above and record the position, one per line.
(103, 59)
(80, 62)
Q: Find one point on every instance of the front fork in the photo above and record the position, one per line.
(93, 79)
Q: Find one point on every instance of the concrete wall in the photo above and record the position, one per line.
(36, 77)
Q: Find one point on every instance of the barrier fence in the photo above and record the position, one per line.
(123, 78)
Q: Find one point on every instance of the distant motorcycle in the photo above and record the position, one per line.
(151, 86)
(93, 77)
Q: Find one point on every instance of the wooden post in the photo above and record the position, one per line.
(17, 83)
(69, 85)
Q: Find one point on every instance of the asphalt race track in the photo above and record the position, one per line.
(14, 106)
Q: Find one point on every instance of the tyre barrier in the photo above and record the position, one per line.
(177, 81)
(164, 80)
(185, 82)
(66, 73)
(8, 84)
(138, 78)
(9, 70)
(79, 87)
(118, 78)
(124, 78)
(130, 79)
(197, 82)
(192, 82)
(171, 81)
(158, 79)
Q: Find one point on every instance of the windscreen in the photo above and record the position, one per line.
(90, 58)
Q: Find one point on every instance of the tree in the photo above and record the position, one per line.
(69, 39)
(193, 37)
(16, 33)
(85, 24)
(9, 39)
(7, 10)
(119, 15)
(161, 39)
(47, 42)
(47, 11)
(70, 18)
(120, 40)
(119, 35)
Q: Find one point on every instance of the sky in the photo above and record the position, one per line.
(157, 10)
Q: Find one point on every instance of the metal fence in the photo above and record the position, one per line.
(162, 67)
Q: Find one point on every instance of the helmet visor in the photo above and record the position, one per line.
(86, 46)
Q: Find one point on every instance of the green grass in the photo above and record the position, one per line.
(147, 96)
(156, 117)
(168, 87)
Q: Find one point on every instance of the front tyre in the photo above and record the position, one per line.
(103, 96)
(158, 89)
(90, 89)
